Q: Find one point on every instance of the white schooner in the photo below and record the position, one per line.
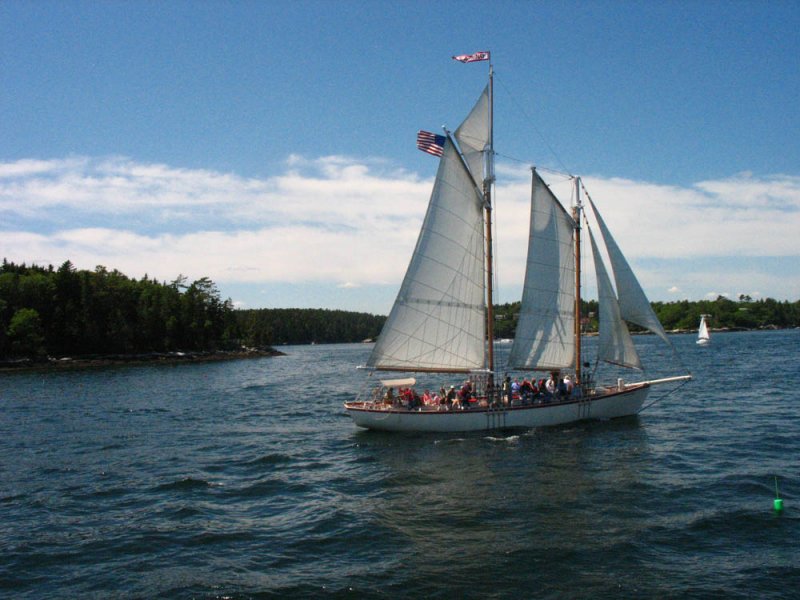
(442, 320)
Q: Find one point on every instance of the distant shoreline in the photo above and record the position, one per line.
(711, 329)
(175, 358)
(149, 358)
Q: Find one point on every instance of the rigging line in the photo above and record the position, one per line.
(662, 397)
(564, 174)
(533, 123)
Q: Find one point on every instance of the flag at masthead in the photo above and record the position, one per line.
(467, 58)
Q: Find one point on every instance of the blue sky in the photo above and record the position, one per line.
(270, 145)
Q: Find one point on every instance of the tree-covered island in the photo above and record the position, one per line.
(54, 315)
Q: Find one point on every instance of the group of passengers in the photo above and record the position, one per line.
(512, 393)
(554, 388)
(445, 399)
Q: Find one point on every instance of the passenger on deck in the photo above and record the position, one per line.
(465, 394)
(450, 396)
(407, 398)
(506, 391)
(550, 385)
(526, 391)
(388, 397)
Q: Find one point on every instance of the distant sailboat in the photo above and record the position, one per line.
(442, 320)
(703, 336)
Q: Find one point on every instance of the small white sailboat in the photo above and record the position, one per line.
(703, 336)
(442, 320)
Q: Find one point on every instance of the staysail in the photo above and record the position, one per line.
(544, 337)
(633, 303)
(615, 344)
(437, 322)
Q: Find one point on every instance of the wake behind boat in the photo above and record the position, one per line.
(442, 322)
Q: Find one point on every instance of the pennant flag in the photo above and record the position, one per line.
(430, 143)
(466, 58)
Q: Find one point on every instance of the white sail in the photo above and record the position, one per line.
(545, 336)
(634, 305)
(473, 136)
(703, 336)
(438, 320)
(615, 344)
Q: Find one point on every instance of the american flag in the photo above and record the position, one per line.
(430, 143)
(465, 58)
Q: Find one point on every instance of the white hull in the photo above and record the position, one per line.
(607, 406)
(703, 341)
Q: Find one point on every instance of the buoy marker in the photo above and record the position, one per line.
(777, 504)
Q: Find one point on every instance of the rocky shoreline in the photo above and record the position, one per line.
(107, 360)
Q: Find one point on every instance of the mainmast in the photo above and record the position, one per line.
(576, 215)
(486, 152)
(487, 202)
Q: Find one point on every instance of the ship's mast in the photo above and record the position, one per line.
(487, 202)
(576, 215)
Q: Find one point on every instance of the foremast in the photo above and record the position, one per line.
(576, 215)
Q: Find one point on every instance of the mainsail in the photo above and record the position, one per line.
(544, 337)
(615, 344)
(633, 303)
(438, 320)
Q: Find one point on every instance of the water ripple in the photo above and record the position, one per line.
(215, 481)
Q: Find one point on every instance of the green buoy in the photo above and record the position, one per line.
(777, 504)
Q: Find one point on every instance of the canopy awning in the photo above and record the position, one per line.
(398, 382)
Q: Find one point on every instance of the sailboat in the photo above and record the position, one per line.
(442, 320)
(703, 337)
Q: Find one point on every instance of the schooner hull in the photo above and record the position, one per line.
(607, 406)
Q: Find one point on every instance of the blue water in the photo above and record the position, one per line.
(245, 479)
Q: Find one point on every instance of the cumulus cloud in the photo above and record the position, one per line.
(353, 222)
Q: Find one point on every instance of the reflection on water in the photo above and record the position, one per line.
(450, 500)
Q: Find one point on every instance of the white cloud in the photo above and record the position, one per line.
(733, 217)
(353, 223)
